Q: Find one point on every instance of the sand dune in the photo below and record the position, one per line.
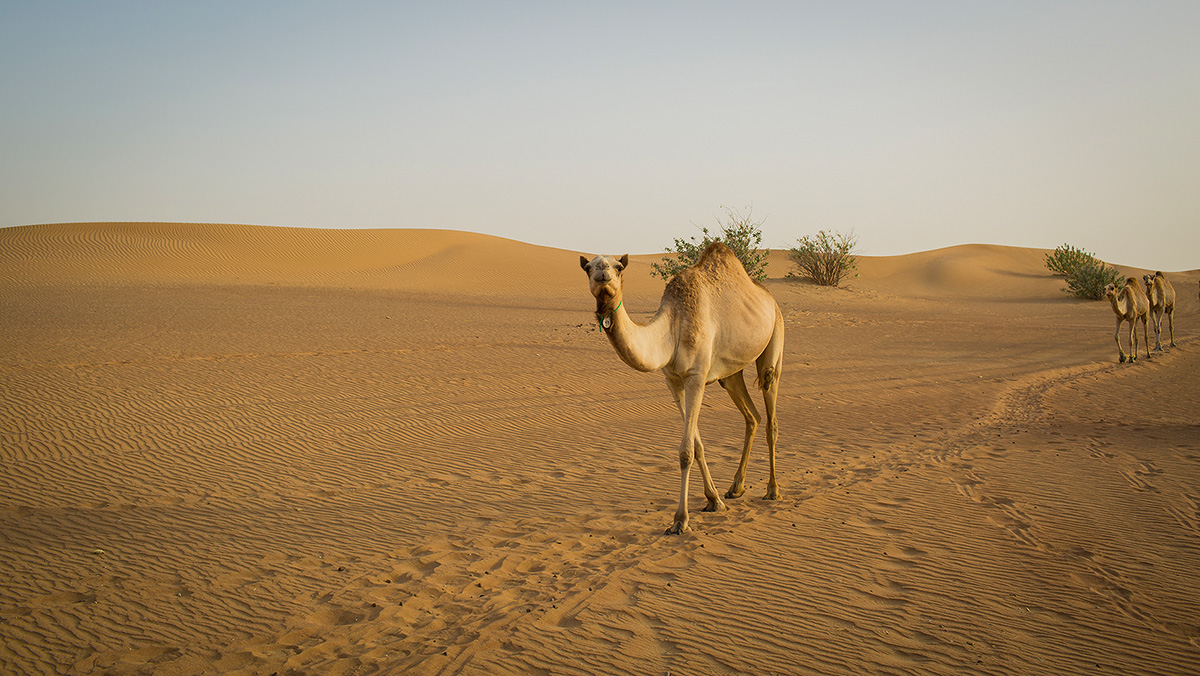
(243, 450)
(437, 261)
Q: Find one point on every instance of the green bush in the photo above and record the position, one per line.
(740, 233)
(1086, 275)
(1066, 259)
(826, 258)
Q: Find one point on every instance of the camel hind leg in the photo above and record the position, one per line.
(770, 368)
(1132, 340)
(1145, 337)
(1171, 323)
(735, 385)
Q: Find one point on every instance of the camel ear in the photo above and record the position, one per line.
(583, 261)
(624, 261)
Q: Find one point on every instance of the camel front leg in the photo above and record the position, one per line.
(1117, 337)
(710, 489)
(691, 450)
(735, 385)
(685, 462)
(1171, 324)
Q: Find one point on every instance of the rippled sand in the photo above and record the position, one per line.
(243, 450)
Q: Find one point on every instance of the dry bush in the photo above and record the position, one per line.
(827, 257)
(740, 233)
(1086, 275)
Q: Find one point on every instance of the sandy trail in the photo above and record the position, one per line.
(217, 459)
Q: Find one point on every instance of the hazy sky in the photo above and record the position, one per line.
(613, 126)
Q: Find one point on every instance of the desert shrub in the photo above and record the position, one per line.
(741, 234)
(1085, 274)
(1066, 259)
(1089, 280)
(826, 258)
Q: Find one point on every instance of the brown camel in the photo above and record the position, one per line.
(1162, 300)
(1130, 304)
(712, 323)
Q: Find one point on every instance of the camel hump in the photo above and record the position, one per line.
(719, 255)
(716, 245)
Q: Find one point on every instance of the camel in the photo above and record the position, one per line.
(1162, 300)
(713, 322)
(1130, 304)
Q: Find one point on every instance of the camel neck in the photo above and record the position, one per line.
(606, 319)
(1120, 301)
(644, 347)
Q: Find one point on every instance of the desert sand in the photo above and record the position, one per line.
(247, 450)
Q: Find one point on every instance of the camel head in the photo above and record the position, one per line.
(1110, 290)
(604, 279)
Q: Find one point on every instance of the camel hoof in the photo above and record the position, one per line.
(677, 529)
(715, 506)
(773, 494)
(1121, 360)
(734, 495)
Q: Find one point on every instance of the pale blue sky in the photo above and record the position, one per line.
(613, 127)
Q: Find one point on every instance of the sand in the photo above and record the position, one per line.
(246, 450)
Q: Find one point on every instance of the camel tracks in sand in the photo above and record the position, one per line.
(1028, 423)
(453, 594)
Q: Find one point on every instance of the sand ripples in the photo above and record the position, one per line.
(293, 479)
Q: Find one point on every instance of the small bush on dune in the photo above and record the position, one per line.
(1066, 259)
(827, 258)
(1086, 275)
(1089, 280)
(740, 233)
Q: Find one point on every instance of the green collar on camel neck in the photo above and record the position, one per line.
(607, 322)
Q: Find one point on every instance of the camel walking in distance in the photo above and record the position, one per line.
(1162, 301)
(1130, 304)
(712, 323)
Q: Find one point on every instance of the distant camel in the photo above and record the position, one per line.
(713, 321)
(1130, 304)
(1162, 300)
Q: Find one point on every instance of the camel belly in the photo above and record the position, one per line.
(736, 356)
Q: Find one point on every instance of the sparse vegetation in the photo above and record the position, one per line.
(1065, 259)
(1085, 274)
(826, 258)
(741, 234)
